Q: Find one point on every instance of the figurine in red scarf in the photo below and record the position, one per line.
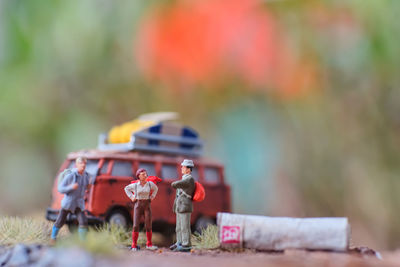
(142, 192)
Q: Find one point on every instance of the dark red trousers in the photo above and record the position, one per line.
(142, 208)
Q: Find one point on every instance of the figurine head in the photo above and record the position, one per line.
(141, 174)
(187, 166)
(80, 163)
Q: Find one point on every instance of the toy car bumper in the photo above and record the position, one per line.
(51, 215)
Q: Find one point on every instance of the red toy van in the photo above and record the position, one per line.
(112, 170)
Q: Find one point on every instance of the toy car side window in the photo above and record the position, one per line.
(92, 167)
(122, 168)
(169, 172)
(150, 167)
(195, 173)
(104, 168)
(211, 175)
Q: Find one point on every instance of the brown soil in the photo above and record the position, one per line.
(208, 258)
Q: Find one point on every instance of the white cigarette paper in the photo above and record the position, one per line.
(280, 233)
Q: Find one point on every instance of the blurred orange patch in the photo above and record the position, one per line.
(209, 42)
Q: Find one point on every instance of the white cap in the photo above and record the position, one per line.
(187, 163)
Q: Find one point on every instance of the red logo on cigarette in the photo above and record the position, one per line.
(231, 234)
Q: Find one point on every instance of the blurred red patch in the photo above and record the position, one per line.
(208, 42)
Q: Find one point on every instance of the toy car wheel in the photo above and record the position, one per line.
(202, 223)
(118, 217)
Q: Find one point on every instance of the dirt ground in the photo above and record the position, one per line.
(165, 257)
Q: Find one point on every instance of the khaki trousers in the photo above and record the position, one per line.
(183, 231)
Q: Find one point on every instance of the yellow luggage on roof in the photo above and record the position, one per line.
(122, 133)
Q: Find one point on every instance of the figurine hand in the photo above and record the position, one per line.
(133, 198)
(75, 186)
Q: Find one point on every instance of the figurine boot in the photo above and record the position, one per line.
(82, 232)
(180, 248)
(135, 236)
(173, 246)
(149, 244)
(54, 232)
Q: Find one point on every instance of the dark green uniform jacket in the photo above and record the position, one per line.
(184, 193)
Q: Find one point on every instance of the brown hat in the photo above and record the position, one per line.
(140, 171)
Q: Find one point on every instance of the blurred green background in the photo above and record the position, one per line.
(299, 99)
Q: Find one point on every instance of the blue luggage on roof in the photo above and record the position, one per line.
(162, 137)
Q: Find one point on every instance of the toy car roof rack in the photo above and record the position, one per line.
(162, 137)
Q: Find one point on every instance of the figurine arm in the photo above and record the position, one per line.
(154, 188)
(184, 183)
(128, 190)
(66, 185)
(90, 181)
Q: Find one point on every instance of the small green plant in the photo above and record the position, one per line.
(207, 239)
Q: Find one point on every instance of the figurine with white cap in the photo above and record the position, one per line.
(183, 207)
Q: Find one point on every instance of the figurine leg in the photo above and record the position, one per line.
(149, 244)
(185, 229)
(183, 232)
(61, 218)
(82, 232)
(83, 224)
(135, 236)
(137, 212)
(178, 229)
(147, 224)
(54, 232)
(136, 224)
(148, 236)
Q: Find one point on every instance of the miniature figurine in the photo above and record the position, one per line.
(183, 207)
(73, 186)
(141, 194)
